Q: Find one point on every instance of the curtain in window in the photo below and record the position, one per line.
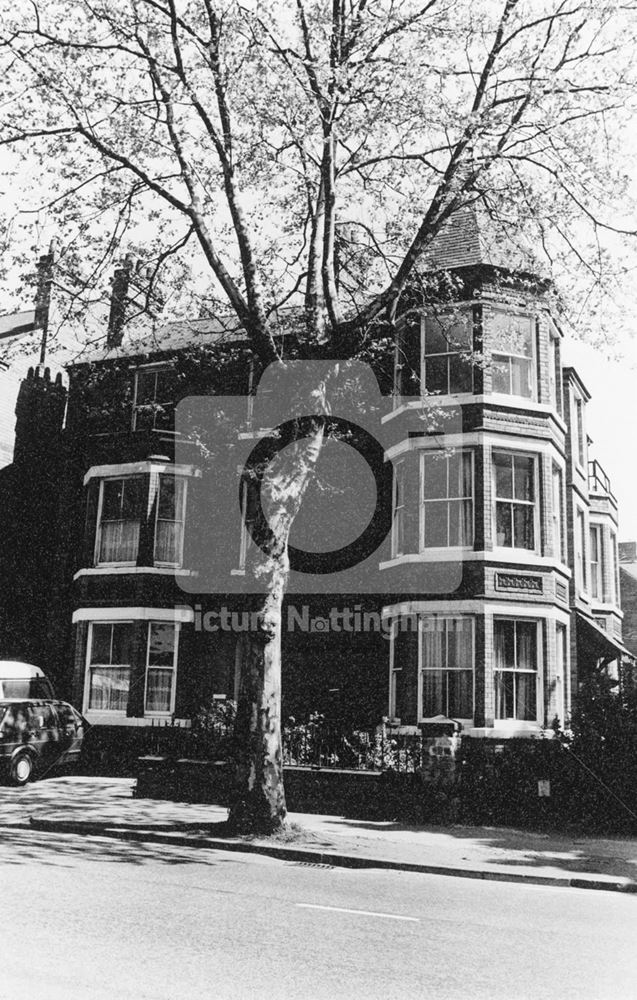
(109, 688)
(119, 541)
(169, 529)
(433, 663)
(460, 694)
(160, 673)
(120, 519)
(515, 676)
(168, 542)
(158, 690)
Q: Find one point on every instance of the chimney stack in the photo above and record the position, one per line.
(119, 301)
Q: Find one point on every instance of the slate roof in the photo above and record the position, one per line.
(17, 323)
(472, 237)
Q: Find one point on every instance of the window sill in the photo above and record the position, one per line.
(508, 730)
(119, 569)
(102, 718)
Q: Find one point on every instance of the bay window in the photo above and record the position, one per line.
(515, 503)
(515, 644)
(109, 669)
(122, 519)
(121, 505)
(558, 516)
(398, 523)
(597, 562)
(446, 507)
(403, 697)
(580, 554)
(161, 668)
(169, 525)
(447, 667)
(447, 353)
(511, 339)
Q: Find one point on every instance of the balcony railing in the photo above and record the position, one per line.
(598, 481)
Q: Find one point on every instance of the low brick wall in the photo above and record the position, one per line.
(521, 783)
(356, 794)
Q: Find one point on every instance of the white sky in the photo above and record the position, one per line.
(612, 419)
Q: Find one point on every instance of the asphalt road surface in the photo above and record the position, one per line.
(93, 918)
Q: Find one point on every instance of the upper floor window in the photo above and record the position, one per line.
(123, 502)
(119, 519)
(155, 390)
(511, 340)
(516, 669)
(447, 353)
(597, 561)
(169, 526)
(580, 450)
(558, 513)
(446, 500)
(614, 567)
(554, 370)
(515, 502)
(580, 541)
(398, 523)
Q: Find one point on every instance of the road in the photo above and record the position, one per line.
(93, 918)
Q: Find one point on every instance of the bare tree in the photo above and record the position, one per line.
(307, 154)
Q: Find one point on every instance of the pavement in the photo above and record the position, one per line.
(105, 807)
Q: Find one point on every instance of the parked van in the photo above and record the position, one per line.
(23, 680)
(36, 736)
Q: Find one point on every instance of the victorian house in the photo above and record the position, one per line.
(492, 593)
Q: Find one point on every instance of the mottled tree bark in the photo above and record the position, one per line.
(260, 798)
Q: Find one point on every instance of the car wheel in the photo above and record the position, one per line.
(21, 769)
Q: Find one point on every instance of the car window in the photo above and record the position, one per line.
(7, 725)
(66, 714)
(43, 716)
(20, 722)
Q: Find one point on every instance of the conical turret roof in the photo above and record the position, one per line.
(472, 237)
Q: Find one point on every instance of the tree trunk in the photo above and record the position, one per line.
(259, 806)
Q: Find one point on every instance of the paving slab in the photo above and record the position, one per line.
(106, 807)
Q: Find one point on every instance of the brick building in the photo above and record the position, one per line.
(493, 593)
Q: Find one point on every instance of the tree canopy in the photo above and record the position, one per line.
(255, 155)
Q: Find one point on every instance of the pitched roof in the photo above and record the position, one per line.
(473, 237)
(17, 323)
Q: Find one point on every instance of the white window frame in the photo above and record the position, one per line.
(597, 588)
(562, 686)
(581, 550)
(422, 502)
(98, 528)
(173, 688)
(422, 670)
(182, 520)
(579, 434)
(115, 713)
(398, 510)
(393, 670)
(492, 352)
(148, 370)
(614, 562)
(557, 501)
(535, 503)
(539, 673)
(450, 313)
